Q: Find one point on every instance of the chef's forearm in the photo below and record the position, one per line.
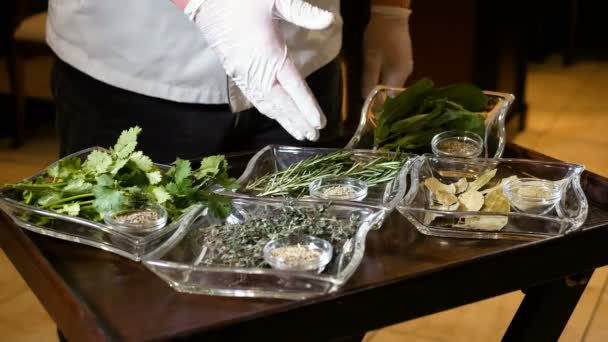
(397, 3)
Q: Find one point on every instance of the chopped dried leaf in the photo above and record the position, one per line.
(461, 185)
(471, 200)
(499, 185)
(445, 198)
(482, 180)
(435, 186)
(497, 202)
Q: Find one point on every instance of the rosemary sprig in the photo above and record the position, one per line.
(294, 180)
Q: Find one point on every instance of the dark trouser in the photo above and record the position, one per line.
(93, 113)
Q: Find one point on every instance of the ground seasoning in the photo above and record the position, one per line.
(142, 217)
(456, 146)
(295, 255)
(338, 192)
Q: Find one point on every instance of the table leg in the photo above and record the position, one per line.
(546, 309)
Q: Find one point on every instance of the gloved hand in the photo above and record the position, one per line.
(387, 48)
(243, 33)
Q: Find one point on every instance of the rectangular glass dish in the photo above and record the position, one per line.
(181, 260)
(420, 206)
(495, 133)
(79, 230)
(275, 158)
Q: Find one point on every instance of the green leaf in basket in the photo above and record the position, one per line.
(467, 95)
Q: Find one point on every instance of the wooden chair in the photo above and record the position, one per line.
(28, 41)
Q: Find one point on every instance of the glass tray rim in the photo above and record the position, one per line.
(505, 100)
(575, 223)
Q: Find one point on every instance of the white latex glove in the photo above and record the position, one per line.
(244, 35)
(387, 48)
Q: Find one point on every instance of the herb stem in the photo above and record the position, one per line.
(67, 199)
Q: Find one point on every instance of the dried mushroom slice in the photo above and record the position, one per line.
(471, 200)
(435, 186)
(497, 202)
(461, 185)
(482, 180)
(487, 223)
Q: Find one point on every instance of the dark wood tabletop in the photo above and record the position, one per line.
(94, 295)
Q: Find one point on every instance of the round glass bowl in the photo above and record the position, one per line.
(143, 219)
(532, 195)
(298, 253)
(460, 144)
(338, 188)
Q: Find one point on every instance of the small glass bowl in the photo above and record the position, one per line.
(338, 188)
(462, 138)
(532, 195)
(114, 221)
(316, 263)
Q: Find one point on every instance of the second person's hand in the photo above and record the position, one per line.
(243, 33)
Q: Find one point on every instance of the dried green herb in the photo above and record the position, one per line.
(241, 245)
(294, 180)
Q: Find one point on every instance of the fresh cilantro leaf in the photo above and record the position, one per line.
(211, 166)
(154, 177)
(126, 143)
(181, 170)
(160, 194)
(65, 168)
(71, 209)
(219, 206)
(78, 186)
(48, 198)
(108, 199)
(105, 180)
(143, 162)
(118, 165)
(181, 189)
(98, 162)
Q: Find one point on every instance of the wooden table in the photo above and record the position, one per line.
(93, 295)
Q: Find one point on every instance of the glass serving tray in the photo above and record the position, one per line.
(275, 158)
(180, 260)
(80, 230)
(495, 134)
(567, 216)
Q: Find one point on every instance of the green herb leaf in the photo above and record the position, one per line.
(467, 95)
(154, 177)
(211, 167)
(108, 199)
(181, 170)
(98, 162)
(78, 186)
(160, 194)
(143, 162)
(65, 168)
(71, 209)
(48, 198)
(105, 180)
(126, 143)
